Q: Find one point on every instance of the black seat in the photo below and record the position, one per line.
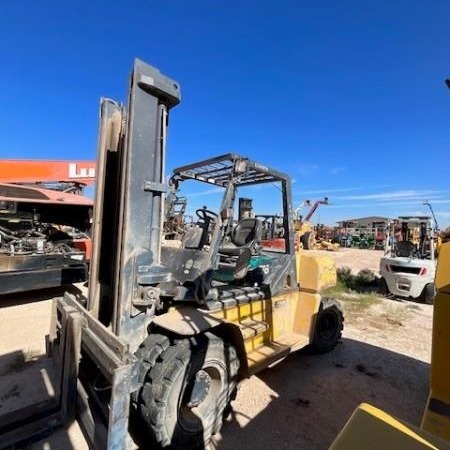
(246, 234)
(406, 249)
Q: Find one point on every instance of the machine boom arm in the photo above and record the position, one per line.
(42, 171)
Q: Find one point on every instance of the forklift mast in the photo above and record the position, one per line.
(128, 213)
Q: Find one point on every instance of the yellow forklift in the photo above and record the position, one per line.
(152, 355)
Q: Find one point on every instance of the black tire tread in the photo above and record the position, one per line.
(428, 294)
(383, 287)
(305, 239)
(148, 353)
(161, 375)
(329, 303)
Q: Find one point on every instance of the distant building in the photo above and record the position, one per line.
(364, 222)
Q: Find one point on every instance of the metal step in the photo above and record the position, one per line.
(272, 353)
(251, 328)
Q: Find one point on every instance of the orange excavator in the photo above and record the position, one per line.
(44, 223)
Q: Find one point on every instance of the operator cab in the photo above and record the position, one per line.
(408, 267)
(226, 256)
(411, 237)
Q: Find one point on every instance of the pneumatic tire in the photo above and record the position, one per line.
(329, 326)
(307, 240)
(186, 392)
(428, 294)
(383, 287)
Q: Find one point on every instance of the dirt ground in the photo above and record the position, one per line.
(301, 403)
(354, 258)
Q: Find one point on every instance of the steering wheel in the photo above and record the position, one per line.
(206, 214)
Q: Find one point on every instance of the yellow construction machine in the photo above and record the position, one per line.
(152, 355)
(372, 428)
(303, 225)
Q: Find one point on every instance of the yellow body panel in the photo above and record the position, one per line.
(436, 419)
(371, 428)
(315, 273)
(289, 320)
(294, 313)
(442, 280)
(265, 330)
(256, 310)
(268, 330)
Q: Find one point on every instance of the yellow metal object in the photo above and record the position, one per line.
(327, 245)
(436, 419)
(301, 228)
(442, 280)
(315, 273)
(371, 428)
(266, 330)
(290, 319)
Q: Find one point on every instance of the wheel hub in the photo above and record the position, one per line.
(200, 390)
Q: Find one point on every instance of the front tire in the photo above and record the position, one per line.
(383, 287)
(329, 326)
(307, 240)
(187, 390)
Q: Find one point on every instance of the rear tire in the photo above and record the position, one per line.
(329, 326)
(428, 294)
(187, 391)
(307, 240)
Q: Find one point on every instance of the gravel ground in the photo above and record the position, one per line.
(301, 403)
(354, 258)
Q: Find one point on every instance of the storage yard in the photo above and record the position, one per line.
(224, 225)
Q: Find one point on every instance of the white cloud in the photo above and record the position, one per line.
(336, 170)
(214, 190)
(328, 191)
(395, 204)
(337, 190)
(307, 169)
(394, 195)
(444, 214)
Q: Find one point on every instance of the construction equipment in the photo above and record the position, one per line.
(174, 216)
(170, 331)
(43, 236)
(326, 238)
(370, 427)
(438, 236)
(351, 234)
(408, 267)
(72, 174)
(303, 226)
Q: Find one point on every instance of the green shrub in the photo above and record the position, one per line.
(366, 277)
(344, 275)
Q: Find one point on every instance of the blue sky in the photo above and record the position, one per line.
(346, 96)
